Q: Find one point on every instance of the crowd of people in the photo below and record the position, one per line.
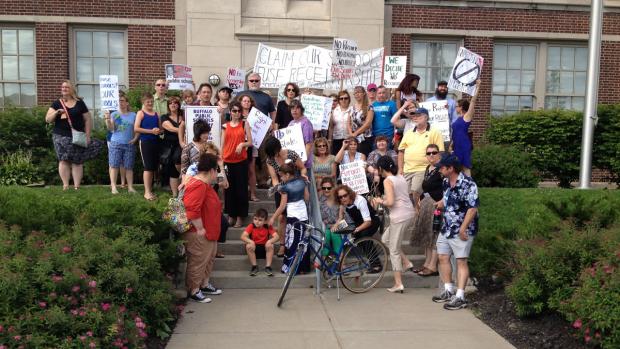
(414, 172)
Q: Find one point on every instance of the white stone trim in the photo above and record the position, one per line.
(496, 34)
(92, 20)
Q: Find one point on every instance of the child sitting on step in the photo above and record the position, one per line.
(259, 239)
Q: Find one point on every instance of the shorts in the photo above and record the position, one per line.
(414, 180)
(455, 246)
(121, 155)
(150, 155)
(260, 251)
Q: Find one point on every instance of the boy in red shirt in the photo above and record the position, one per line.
(258, 243)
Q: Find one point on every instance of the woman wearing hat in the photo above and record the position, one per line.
(222, 99)
(396, 198)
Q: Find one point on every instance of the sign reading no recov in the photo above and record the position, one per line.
(467, 69)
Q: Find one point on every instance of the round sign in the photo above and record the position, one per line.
(466, 72)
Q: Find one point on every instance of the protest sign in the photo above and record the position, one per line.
(394, 70)
(259, 124)
(194, 113)
(343, 58)
(438, 117)
(311, 67)
(292, 138)
(108, 92)
(179, 77)
(317, 109)
(353, 174)
(236, 79)
(467, 69)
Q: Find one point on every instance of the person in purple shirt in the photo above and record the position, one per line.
(297, 111)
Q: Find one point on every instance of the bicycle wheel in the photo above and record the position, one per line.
(363, 265)
(291, 274)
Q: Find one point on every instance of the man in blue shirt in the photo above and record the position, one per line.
(384, 110)
(460, 225)
(441, 94)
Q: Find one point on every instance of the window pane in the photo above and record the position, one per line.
(568, 58)
(9, 42)
(528, 81)
(448, 55)
(1, 95)
(84, 69)
(9, 68)
(117, 45)
(553, 81)
(564, 102)
(581, 58)
(566, 82)
(580, 83)
(100, 44)
(421, 72)
(514, 57)
(445, 72)
(435, 76)
(11, 94)
(500, 53)
(419, 54)
(28, 95)
(512, 103)
(513, 81)
(499, 80)
(526, 102)
(84, 43)
(551, 102)
(578, 103)
(117, 67)
(87, 93)
(26, 42)
(26, 68)
(100, 67)
(97, 98)
(553, 58)
(529, 57)
(497, 103)
(434, 54)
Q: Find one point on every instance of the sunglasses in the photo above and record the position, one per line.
(235, 110)
(290, 90)
(322, 146)
(254, 80)
(160, 85)
(344, 98)
(429, 153)
(342, 196)
(326, 188)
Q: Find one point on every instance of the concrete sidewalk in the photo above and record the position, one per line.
(244, 318)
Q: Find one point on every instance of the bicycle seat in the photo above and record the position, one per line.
(346, 230)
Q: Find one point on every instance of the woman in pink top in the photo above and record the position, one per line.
(396, 198)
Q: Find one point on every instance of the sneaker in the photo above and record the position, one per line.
(210, 289)
(268, 271)
(254, 270)
(443, 297)
(200, 298)
(455, 303)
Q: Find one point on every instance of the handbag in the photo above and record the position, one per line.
(174, 214)
(77, 137)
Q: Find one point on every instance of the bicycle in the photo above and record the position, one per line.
(359, 264)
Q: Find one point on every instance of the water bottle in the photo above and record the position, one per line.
(437, 220)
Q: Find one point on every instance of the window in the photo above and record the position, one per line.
(98, 52)
(433, 62)
(537, 76)
(514, 75)
(17, 67)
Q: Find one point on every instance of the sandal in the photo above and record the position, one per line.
(255, 199)
(151, 198)
(416, 270)
(427, 272)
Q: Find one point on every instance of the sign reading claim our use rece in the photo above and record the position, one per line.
(467, 69)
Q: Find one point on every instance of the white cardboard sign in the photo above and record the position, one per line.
(353, 175)
(343, 58)
(194, 113)
(317, 109)
(292, 138)
(236, 79)
(108, 92)
(438, 117)
(394, 70)
(467, 69)
(259, 124)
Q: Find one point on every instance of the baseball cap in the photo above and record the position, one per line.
(421, 111)
(449, 160)
(371, 86)
(226, 88)
(442, 83)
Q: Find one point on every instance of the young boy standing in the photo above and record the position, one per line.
(259, 238)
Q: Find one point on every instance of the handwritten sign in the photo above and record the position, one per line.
(317, 110)
(343, 58)
(179, 77)
(292, 138)
(210, 114)
(311, 67)
(259, 124)
(353, 175)
(394, 70)
(467, 69)
(439, 117)
(108, 92)
(236, 79)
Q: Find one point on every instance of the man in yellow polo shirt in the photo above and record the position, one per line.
(412, 160)
(160, 101)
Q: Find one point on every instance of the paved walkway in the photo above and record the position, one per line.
(243, 318)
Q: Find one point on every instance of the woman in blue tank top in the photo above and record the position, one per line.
(148, 126)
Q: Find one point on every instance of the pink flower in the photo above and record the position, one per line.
(75, 288)
(129, 290)
(42, 304)
(17, 338)
(122, 309)
(89, 333)
(3, 347)
(587, 339)
(597, 335)
(142, 334)
(92, 284)
(587, 331)
(56, 278)
(608, 269)
(83, 276)
(1, 328)
(140, 325)
(74, 312)
(137, 319)
(82, 313)
(53, 295)
(82, 338)
(92, 345)
(105, 306)
(577, 324)
(66, 249)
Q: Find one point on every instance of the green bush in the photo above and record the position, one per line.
(606, 145)
(16, 168)
(503, 166)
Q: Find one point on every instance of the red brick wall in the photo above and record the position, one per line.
(484, 47)
(149, 49)
(609, 92)
(156, 9)
(52, 60)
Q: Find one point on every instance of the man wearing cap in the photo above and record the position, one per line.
(372, 93)
(412, 160)
(441, 94)
(384, 109)
(460, 224)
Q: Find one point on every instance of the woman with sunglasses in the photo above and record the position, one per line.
(396, 198)
(330, 210)
(360, 122)
(171, 147)
(283, 111)
(338, 129)
(324, 165)
(236, 138)
(423, 233)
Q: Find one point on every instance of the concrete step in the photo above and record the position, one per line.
(237, 247)
(241, 262)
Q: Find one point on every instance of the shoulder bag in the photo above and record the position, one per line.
(77, 137)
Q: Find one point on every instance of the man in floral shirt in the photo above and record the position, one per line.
(460, 225)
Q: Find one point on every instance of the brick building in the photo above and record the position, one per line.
(43, 42)
(535, 52)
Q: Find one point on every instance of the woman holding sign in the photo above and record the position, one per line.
(236, 139)
(461, 142)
